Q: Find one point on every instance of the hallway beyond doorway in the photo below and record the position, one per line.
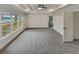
(40, 41)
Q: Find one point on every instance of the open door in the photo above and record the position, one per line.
(68, 27)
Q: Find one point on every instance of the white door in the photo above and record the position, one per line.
(68, 27)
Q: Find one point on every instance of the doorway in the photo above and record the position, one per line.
(50, 21)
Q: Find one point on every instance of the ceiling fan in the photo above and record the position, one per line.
(42, 6)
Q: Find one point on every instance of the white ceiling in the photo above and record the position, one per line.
(10, 9)
(33, 8)
(23, 9)
(49, 6)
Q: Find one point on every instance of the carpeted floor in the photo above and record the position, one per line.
(41, 41)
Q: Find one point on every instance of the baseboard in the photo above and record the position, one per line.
(61, 36)
(76, 39)
(68, 41)
(58, 33)
(37, 27)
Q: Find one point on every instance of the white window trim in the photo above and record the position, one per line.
(0, 28)
(18, 28)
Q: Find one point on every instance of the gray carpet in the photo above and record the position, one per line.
(41, 41)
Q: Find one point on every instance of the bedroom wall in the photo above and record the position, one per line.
(37, 20)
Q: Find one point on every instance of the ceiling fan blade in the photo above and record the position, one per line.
(42, 6)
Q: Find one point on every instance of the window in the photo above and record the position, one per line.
(19, 21)
(6, 24)
(14, 22)
(9, 23)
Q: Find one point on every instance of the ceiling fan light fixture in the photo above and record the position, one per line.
(39, 8)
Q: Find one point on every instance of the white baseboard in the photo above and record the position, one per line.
(37, 27)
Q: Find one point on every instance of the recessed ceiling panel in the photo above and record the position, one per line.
(34, 8)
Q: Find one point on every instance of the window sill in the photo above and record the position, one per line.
(10, 34)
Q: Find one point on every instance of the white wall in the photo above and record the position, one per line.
(58, 23)
(76, 25)
(37, 20)
(9, 38)
(74, 33)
